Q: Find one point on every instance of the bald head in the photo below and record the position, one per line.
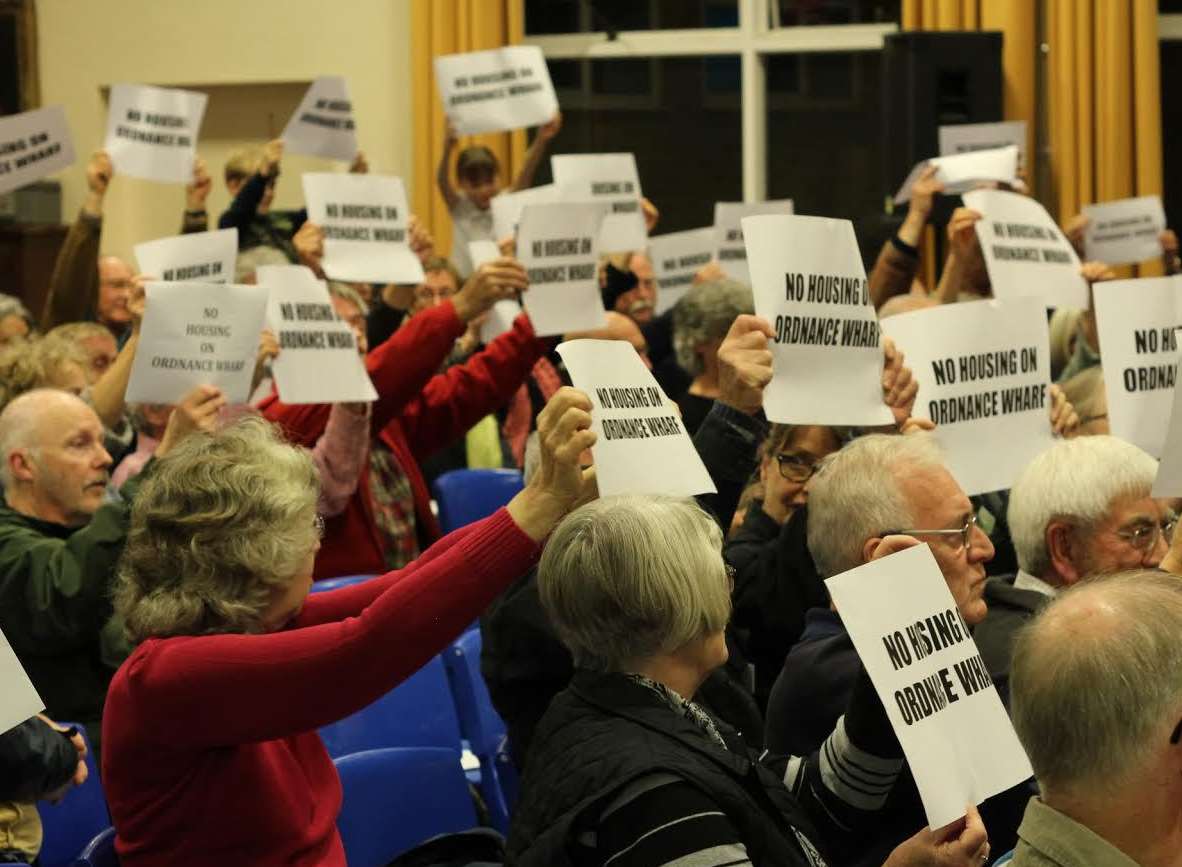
(1096, 683)
(905, 304)
(619, 327)
(115, 284)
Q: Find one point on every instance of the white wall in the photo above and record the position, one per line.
(253, 57)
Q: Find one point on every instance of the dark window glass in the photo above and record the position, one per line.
(1171, 129)
(796, 13)
(585, 16)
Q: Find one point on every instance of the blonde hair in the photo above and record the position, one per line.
(220, 526)
(26, 364)
(627, 578)
(242, 164)
(76, 332)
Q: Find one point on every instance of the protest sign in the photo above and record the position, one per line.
(490, 91)
(480, 252)
(197, 334)
(1136, 322)
(961, 172)
(322, 126)
(21, 700)
(1169, 472)
(152, 131)
(1025, 251)
(916, 647)
(610, 179)
(729, 250)
(983, 370)
(33, 144)
(364, 218)
(809, 283)
(642, 445)
(207, 257)
(676, 258)
(507, 207)
(318, 359)
(500, 318)
(558, 243)
(963, 138)
(1125, 231)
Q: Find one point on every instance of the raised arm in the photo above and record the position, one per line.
(196, 218)
(340, 455)
(898, 261)
(537, 150)
(962, 239)
(246, 204)
(73, 286)
(443, 174)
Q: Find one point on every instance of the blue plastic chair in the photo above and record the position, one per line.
(99, 852)
(483, 728)
(465, 496)
(82, 814)
(337, 583)
(395, 799)
(419, 712)
(1004, 859)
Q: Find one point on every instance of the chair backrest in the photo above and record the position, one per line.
(480, 723)
(465, 496)
(99, 852)
(70, 825)
(419, 712)
(396, 798)
(337, 583)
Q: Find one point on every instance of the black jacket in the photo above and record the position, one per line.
(1009, 609)
(35, 760)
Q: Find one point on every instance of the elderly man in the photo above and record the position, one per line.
(1081, 508)
(60, 543)
(700, 322)
(876, 486)
(1096, 703)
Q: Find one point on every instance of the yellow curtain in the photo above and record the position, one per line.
(449, 27)
(1105, 103)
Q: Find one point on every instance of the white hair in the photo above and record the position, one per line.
(1094, 677)
(345, 292)
(1076, 480)
(856, 495)
(705, 313)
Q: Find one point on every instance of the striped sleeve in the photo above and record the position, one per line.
(662, 821)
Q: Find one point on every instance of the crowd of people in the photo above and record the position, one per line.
(676, 684)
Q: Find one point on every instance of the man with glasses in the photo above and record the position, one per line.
(1081, 508)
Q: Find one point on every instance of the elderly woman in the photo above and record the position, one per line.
(211, 752)
(701, 320)
(626, 769)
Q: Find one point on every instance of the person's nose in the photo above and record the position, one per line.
(981, 548)
(102, 459)
(1157, 552)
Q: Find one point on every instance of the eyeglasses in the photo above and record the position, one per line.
(794, 468)
(1145, 536)
(318, 526)
(965, 533)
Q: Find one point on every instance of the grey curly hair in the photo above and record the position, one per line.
(219, 526)
(705, 313)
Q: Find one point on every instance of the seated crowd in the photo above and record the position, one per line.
(676, 685)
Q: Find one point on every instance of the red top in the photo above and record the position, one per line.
(210, 751)
(418, 412)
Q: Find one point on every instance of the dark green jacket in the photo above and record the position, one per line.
(55, 605)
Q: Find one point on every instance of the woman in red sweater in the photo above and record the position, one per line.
(210, 747)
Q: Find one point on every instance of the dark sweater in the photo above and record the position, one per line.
(1009, 610)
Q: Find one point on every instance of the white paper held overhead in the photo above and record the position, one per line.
(1125, 231)
(502, 89)
(676, 258)
(33, 144)
(207, 257)
(152, 131)
(610, 179)
(729, 250)
(322, 125)
(558, 243)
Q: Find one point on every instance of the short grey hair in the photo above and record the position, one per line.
(249, 261)
(10, 305)
(345, 292)
(220, 525)
(19, 425)
(1093, 678)
(856, 495)
(705, 313)
(1075, 480)
(627, 578)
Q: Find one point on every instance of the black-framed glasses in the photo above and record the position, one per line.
(1144, 536)
(794, 468)
(965, 533)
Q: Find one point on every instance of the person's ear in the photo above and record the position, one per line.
(20, 465)
(1063, 551)
(869, 547)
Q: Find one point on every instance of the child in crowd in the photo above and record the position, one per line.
(478, 175)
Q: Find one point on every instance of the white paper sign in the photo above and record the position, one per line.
(965, 138)
(507, 207)
(983, 371)
(197, 334)
(21, 700)
(809, 283)
(364, 218)
(152, 131)
(611, 179)
(480, 252)
(323, 124)
(676, 258)
(500, 318)
(1169, 472)
(642, 445)
(961, 172)
(558, 243)
(1025, 251)
(318, 361)
(1124, 232)
(490, 91)
(958, 740)
(1136, 322)
(729, 250)
(206, 257)
(33, 144)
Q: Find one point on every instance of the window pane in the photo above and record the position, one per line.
(679, 115)
(582, 16)
(1171, 128)
(794, 13)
